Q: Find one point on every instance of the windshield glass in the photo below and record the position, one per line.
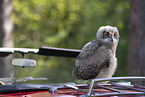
(55, 69)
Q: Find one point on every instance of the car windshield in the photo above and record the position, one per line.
(52, 66)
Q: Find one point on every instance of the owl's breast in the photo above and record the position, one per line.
(101, 55)
(110, 70)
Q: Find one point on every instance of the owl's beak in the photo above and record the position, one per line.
(111, 38)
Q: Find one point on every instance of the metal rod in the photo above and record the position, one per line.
(117, 94)
(127, 87)
(118, 78)
(107, 88)
(135, 85)
(92, 83)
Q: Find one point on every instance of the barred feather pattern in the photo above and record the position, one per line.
(97, 60)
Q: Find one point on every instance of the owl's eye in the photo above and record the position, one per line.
(107, 34)
(115, 34)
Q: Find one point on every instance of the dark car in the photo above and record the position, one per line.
(116, 86)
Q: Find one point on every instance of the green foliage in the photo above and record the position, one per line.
(68, 24)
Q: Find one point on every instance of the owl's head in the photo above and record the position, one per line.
(108, 34)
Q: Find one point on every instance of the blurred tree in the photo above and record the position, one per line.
(137, 38)
(68, 24)
(6, 26)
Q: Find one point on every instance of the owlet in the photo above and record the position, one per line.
(98, 57)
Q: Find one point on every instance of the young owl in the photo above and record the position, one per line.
(98, 58)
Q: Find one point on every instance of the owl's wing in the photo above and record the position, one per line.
(88, 70)
(89, 49)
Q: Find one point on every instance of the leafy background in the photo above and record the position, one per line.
(67, 24)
